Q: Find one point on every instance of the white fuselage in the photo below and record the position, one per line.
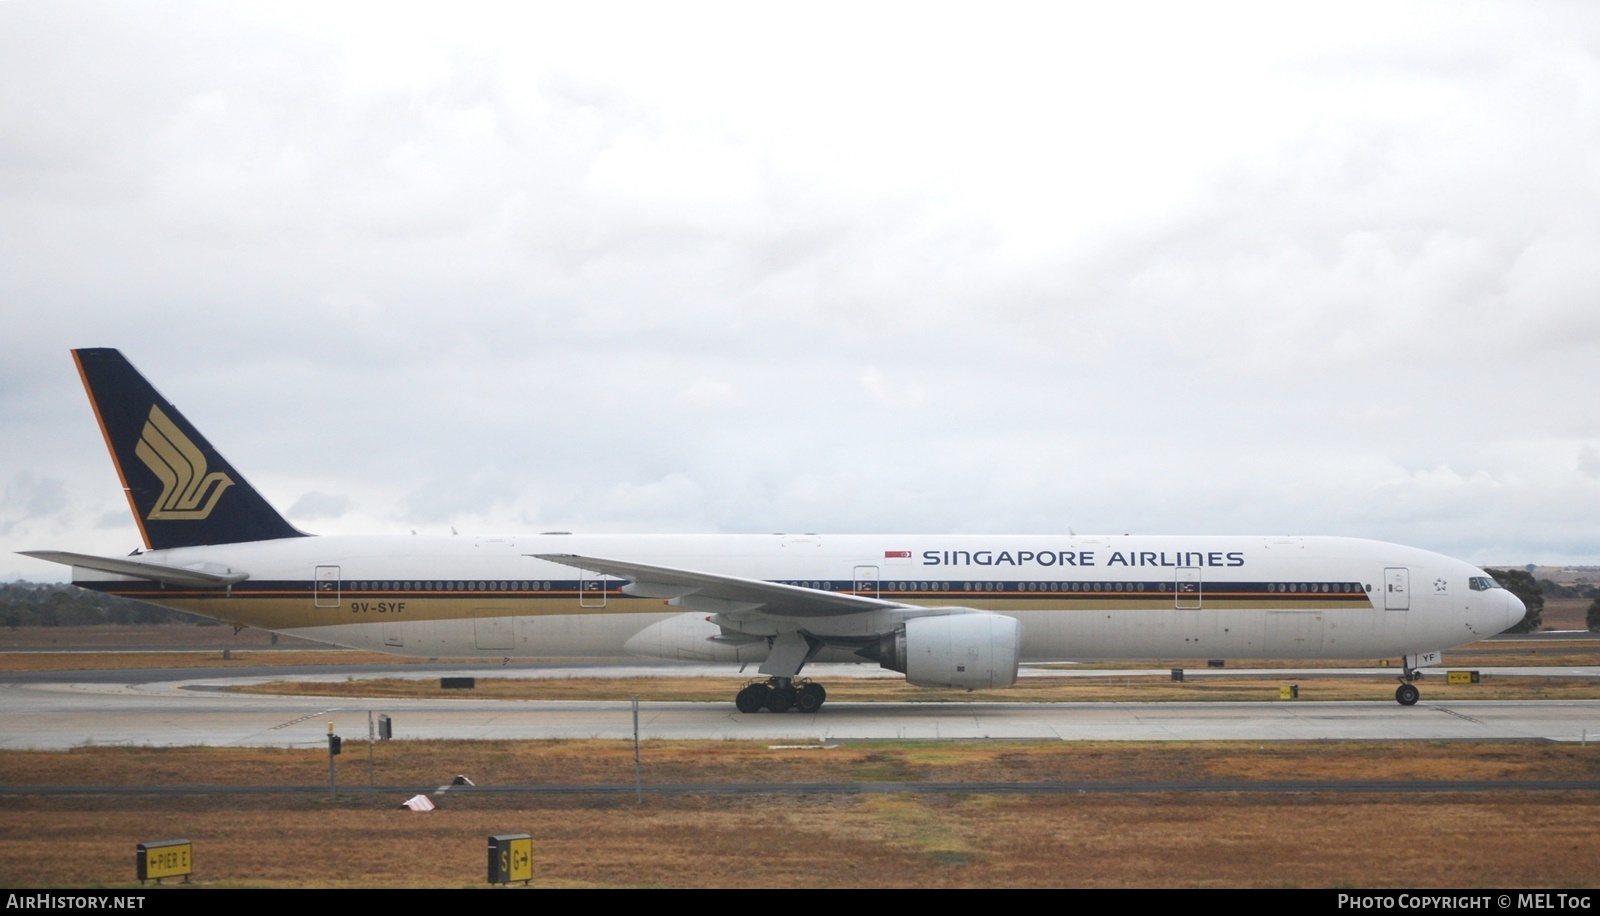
(1075, 597)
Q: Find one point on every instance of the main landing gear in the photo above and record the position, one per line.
(781, 694)
(1407, 693)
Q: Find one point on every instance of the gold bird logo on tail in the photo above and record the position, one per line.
(169, 454)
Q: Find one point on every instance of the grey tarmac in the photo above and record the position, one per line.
(126, 709)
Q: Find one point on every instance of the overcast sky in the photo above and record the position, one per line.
(1153, 268)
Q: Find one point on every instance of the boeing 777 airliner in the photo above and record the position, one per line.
(945, 610)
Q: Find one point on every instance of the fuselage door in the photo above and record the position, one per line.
(592, 589)
(1397, 589)
(493, 629)
(866, 581)
(325, 587)
(1186, 588)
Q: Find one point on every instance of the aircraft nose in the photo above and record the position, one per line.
(1515, 609)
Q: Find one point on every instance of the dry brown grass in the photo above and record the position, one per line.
(1128, 688)
(1553, 653)
(17, 662)
(1543, 652)
(1509, 839)
(170, 646)
(1565, 613)
(427, 763)
(878, 841)
(165, 635)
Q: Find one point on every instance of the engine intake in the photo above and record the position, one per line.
(968, 651)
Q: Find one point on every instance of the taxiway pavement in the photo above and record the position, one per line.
(123, 708)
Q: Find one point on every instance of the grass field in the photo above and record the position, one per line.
(1439, 839)
(1414, 839)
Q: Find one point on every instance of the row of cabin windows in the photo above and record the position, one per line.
(478, 586)
(1331, 587)
(1090, 586)
(527, 586)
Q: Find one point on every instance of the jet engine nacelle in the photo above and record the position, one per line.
(957, 650)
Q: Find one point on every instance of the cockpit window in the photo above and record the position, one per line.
(1482, 583)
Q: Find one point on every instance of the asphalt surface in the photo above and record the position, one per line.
(189, 707)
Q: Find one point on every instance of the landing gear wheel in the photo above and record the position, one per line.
(751, 698)
(810, 698)
(1407, 695)
(780, 695)
(781, 699)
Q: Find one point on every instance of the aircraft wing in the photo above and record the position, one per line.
(709, 591)
(155, 572)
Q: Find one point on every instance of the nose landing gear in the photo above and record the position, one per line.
(1407, 693)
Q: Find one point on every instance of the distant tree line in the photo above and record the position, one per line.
(1554, 589)
(48, 604)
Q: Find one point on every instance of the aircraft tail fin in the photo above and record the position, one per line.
(182, 491)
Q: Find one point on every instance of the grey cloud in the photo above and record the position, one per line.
(27, 497)
(1589, 461)
(559, 273)
(314, 505)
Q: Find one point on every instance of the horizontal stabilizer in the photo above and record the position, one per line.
(155, 572)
